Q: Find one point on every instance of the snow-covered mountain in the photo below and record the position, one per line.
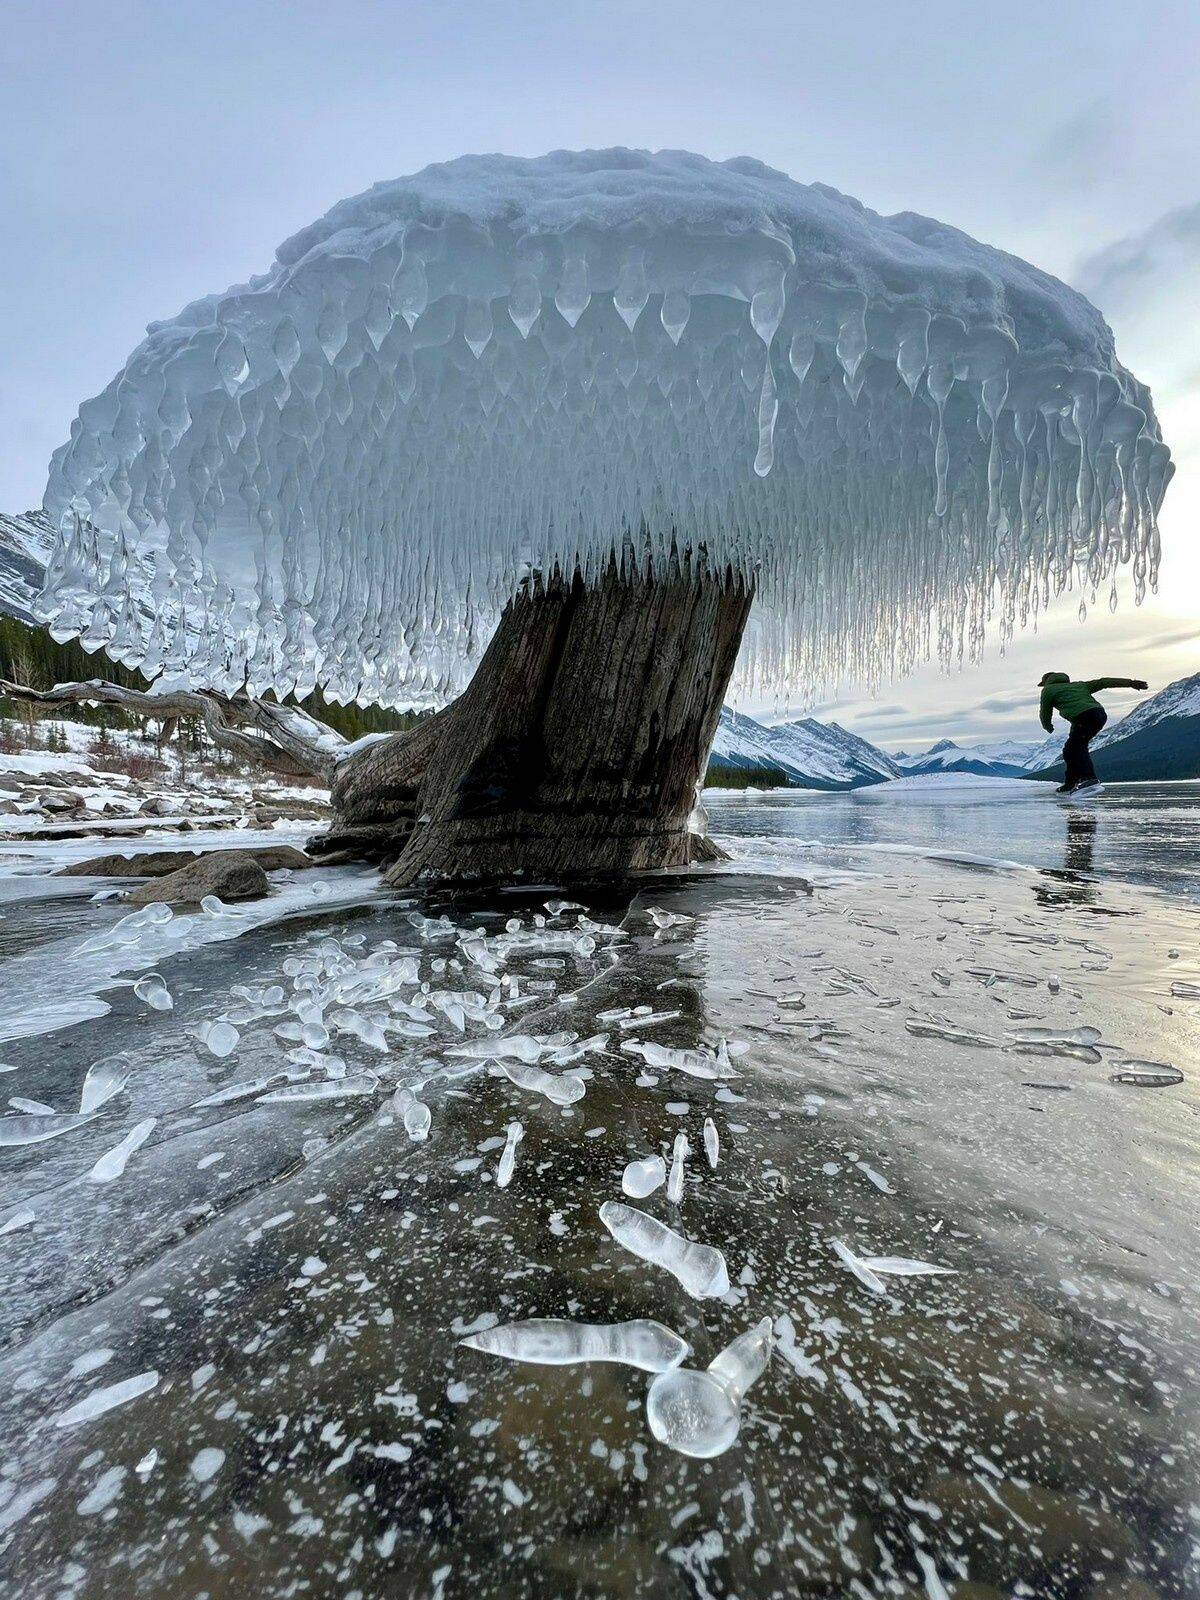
(1004, 758)
(804, 754)
(25, 546)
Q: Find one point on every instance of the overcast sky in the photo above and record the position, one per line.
(154, 150)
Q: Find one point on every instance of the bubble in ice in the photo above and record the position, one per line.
(152, 991)
(270, 494)
(552, 1342)
(113, 1163)
(700, 1268)
(354, 1084)
(699, 1413)
(641, 1178)
(508, 1156)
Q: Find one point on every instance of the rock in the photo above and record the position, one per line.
(157, 806)
(229, 874)
(158, 863)
(61, 800)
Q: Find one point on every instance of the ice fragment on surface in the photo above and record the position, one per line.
(18, 1220)
(679, 1155)
(563, 1090)
(641, 1178)
(700, 1268)
(36, 1128)
(152, 991)
(353, 1084)
(905, 1267)
(551, 1342)
(104, 1081)
(692, 1063)
(415, 1113)
(220, 1039)
(1147, 1074)
(102, 1400)
(113, 1164)
(858, 1267)
(699, 1413)
(508, 1158)
(942, 1030)
(712, 1141)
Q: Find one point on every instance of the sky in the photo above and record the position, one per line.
(154, 151)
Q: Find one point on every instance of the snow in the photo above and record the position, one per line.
(807, 753)
(337, 472)
(967, 786)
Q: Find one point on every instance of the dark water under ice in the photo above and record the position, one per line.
(298, 1276)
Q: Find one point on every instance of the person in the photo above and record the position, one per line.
(1075, 702)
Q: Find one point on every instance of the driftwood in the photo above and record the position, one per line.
(281, 738)
(575, 749)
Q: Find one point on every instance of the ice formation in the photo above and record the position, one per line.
(547, 1341)
(699, 1413)
(337, 472)
(699, 1268)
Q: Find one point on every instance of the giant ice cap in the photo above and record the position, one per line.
(339, 472)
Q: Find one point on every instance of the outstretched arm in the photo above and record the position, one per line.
(1116, 683)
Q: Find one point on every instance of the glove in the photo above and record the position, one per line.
(1140, 683)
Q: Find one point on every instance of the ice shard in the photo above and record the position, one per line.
(699, 1268)
(337, 472)
(699, 1413)
(549, 1342)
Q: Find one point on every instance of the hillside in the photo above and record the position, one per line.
(803, 754)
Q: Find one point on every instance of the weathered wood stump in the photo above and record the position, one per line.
(575, 749)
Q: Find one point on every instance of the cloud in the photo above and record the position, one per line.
(1144, 263)
(1078, 150)
(1165, 641)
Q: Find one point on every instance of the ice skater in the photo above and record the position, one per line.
(1076, 703)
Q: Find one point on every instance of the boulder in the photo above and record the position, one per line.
(157, 863)
(61, 800)
(229, 874)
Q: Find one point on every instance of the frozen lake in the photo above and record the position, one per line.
(236, 1366)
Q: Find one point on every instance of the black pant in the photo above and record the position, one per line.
(1076, 755)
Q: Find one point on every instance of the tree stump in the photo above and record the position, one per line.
(576, 748)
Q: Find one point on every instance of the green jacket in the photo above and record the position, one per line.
(1071, 700)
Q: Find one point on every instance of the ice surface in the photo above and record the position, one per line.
(878, 418)
(699, 1267)
(699, 1413)
(641, 1178)
(113, 1164)
(547, 1341)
